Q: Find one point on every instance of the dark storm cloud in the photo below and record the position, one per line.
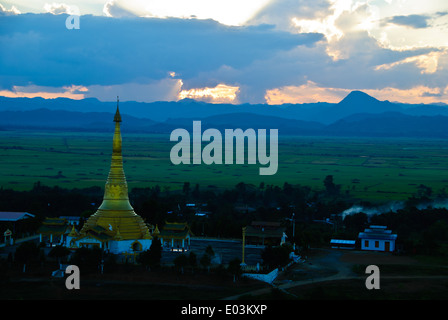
(38, 49)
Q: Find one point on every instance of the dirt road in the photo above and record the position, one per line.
(328, 265)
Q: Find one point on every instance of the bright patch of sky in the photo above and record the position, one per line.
(256, 51)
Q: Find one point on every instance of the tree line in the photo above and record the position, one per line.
(419, 230)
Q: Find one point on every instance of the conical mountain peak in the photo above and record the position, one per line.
(358, 97)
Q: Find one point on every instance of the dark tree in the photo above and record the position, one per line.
(356, 222)
(276, 256)
(235, 268)
(180, 262)
(209, 251)
(205, 261)
(151, 258)
(59, 252)
(192, 259)
(186, 188)
(330, 187)
(87, 259)
(27, 253)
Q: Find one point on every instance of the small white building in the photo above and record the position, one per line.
(377, 238)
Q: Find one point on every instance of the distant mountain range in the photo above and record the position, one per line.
(358, 114)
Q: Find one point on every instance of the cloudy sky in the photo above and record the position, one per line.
(251, 51)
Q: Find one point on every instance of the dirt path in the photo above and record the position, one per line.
(323, 265)
(328, 265)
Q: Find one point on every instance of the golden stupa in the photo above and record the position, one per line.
(116, 213)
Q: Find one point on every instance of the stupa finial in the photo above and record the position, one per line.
(117, 117)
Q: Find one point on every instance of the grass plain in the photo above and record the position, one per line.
(373, 169)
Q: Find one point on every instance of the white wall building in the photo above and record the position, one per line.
(377, 238)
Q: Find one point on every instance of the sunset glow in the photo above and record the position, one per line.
(307, 93)
(220, 94)
(311, 93)
(427, 62)
(72, 92)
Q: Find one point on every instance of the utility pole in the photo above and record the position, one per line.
(293, 230)
(244, 244)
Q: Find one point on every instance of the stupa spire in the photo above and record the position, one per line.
(116, 189)
(115, 210)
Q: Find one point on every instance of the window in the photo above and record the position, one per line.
(366, 243)
(377, 244)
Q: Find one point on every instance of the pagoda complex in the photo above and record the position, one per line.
(115, 226)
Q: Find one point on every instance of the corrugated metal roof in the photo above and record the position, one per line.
(14, 216)
(379, 236)
(340, 241)
(377, 232)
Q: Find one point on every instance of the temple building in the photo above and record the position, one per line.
(115, 227)
(53, 231)
(265, 233)
(174, 236)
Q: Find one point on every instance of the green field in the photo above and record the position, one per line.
(368, 168)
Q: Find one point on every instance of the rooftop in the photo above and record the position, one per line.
(14, 216)
(377, 232)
